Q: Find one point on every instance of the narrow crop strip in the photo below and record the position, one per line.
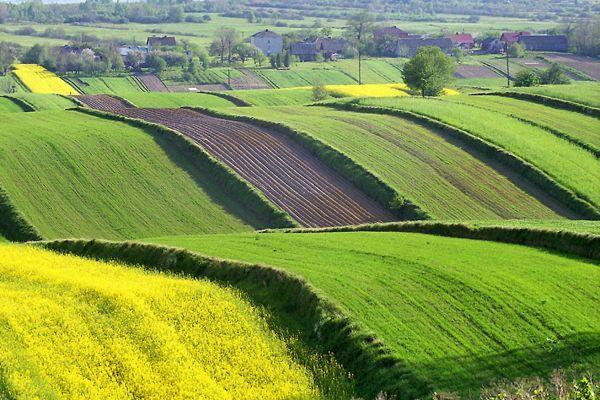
(372, 363)
(547, 100)
(13, 225)
(529, 171)
(25, 106)
(233, 184)
(362, 178)
(579, 244)
(235, 100)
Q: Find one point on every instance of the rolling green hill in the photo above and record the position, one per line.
(576, 126)
(567, 163)
(176, 100)
(441, 178)
(74, 175)
(458, 312)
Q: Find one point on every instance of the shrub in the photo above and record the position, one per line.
(527, 78)
(319, 92)
(516, 50)
(554, 75)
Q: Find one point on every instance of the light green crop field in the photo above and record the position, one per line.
(581, 226)
(46, 102)
(578, 126)
(9, 106)
(440, 177)
(275, 97)
(28, 41)
(587, 93)
(567, 163)
(109, 84)
(74, 175)
(176, 100)
(459, 312)
(297, 77)
(174, 76)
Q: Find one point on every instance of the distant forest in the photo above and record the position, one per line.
(161, 11)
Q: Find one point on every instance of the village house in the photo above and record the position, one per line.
(408, 47)
(268, 42)
(512, 37)
(463, 40)
(156, 42)
(558, 43)
(125, 50)
(330, 47)
(304, 51)
(390, 31)
(492, 45)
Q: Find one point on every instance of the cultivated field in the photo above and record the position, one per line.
(74, 175)
(39, 80)
(275, 97)
(176, 100)
(456, 319)
(582, 93)
(45, 102)
(422, 165)
(567, 163)
(108, 84)
(152, 83)
(74, 328)
(586, 65)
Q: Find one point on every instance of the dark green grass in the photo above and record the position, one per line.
(275, 97)
(176, 100)
(75, 175)
(459, 312)
(9, 106)
(46, 102)
(436, 175)
(574, 125)
(565, 162)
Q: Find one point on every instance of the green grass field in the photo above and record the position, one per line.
(74, 175)
(176, 100)
(580, 226)
(9, 106)
(459, 312)
(275, 97)
(174, 76)
(575, 125)
(587, 93)
(110, 85)
(46, 102)
(444, 180)
(567, 163)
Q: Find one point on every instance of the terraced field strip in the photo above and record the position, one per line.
(587, 93)
(577, 127)
(103, 102)
(586, 65)
(474, 71)
(45, 102)
(291, 177)
(8, 105)
(115, 85)
(153, 83)
(458, 312)
(567, 163)
(444, 179)
(176, 100)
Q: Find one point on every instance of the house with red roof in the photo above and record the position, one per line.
(513, 37)
(462, 40)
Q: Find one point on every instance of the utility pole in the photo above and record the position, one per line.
(507, 67)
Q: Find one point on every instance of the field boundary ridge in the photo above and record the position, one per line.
(25, 105)
(13, 224)
(322, 322)
(226, 178)
(365, 180)
(568, 198)
(585, 245)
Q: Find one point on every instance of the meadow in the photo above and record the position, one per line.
(176, 100)
(108, 84)
(441, 178)
(9, 106)
(567, 163)
(573, 125)
(456, 319)
(75, 175)
(577, 92)
(39, 80)
(76, 328)
(275, 97)
(45, 102)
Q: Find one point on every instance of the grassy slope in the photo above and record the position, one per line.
(567, 163)
(76, 175)
(176, 100)
(9, 106)
(275, 97)
(44, 102)
(458, 318)
(587, 93)
(573, 124)
(76, 328)
(441, 178)
(110, 85)
(581, 226)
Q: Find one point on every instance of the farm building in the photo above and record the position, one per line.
(512, 37)
(156, 42)
(557, 43)
(330, 46)
(268, 42)
(462, 40)
(492, 45)
(390, 31)
(408, 47)
(304, 51)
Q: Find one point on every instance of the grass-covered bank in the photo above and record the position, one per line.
(456, 318)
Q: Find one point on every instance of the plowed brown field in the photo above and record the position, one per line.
(290, 176)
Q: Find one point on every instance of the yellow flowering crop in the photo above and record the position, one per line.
(75, 328)
(371, 90)
(39, 80)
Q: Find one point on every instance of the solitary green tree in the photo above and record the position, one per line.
(428, 71)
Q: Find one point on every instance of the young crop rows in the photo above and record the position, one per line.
(288, 175)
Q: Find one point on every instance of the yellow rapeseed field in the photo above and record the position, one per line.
(371, 90)
(39, 80)
(75, 328)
